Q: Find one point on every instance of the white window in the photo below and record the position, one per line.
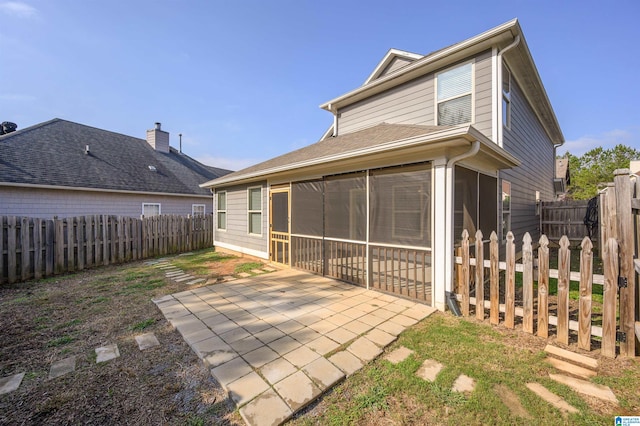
(455, 95)
(198, 209)
(506, 208)
(150, 209)
(506, 97)
(255, 210)
(222, 210)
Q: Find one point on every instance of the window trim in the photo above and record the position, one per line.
(152, 204)
(505, 230)
(219, 210)
(506, 97)
(472, 91)
(204, 209)
(250, 212)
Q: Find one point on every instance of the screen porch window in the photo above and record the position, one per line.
(506, 97)
(506, 208)
(255, 210)
(150, 209)
(222, 210)
(455, 93)
(198, 209)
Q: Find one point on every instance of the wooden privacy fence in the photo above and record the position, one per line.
(535, 312)
(560, 218)
(37, 248)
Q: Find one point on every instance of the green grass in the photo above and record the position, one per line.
(60, 341)
(143, 324)
(247, 267)
(196, 262)
(395, 393)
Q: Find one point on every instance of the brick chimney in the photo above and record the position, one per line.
(158, 139)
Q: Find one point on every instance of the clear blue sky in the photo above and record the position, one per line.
(242, 80)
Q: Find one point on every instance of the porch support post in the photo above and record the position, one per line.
(439, 244)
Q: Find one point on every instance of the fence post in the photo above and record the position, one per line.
(586, 283)
(527, 284)
(543, 287)
(510, 282)
(610, 296)
(564, 260)
(465, 273)
(626, 251)
(479, 276)
(25, 242)
(494, 287)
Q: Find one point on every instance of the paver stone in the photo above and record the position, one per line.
(146, 341)
(398, 355)
(297, 390)
(62, 367)
(107, 353)
(10, 383)
(323, 373)
(246, 388)
(267, 409)
(429, 370)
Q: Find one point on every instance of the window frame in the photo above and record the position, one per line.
(470, 92)
(506, 97)
(506, 224)
(396, 210)
(251, 212)
(152, 204)
(220, 211)
(204, 209)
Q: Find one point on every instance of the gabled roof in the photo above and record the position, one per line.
(53, 154)
(391, 56)
(380, 139)
(519, 59)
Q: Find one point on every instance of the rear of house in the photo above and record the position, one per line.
(462, 138)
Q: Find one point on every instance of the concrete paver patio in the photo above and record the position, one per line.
(276, 342)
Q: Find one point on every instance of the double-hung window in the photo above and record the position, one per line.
(506, 208)
(150, 209)
(506, 97)
(198, 209)
(455, 95)
(255, 210)
(222, 210)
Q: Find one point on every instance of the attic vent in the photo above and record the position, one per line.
(153, 168)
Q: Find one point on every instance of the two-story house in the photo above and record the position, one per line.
(463, 137)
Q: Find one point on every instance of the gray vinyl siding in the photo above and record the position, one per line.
(395, 65)
(528, 141)
(410, 103)
(47, 203)
(237, 232)
(483, 111)
(414, 103)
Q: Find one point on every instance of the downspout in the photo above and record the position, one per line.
(448, 259)
(513, 44)
(335, 120)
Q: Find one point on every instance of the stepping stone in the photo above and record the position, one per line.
(107, 353)
(429, 370)
(277, 370)
(231, 371)
(391, 328)
(323, 345)
(323, 373)
(364, 349)
(146, 341)
(464, 384)
(585, 387)
(183, 278)
(220, 357)
(511, 401)
(269, 269)
(398, 355)
(301, 356)
(166, 298)
(244, 275)
(257, 271)
(570, 368)
(62, 367)
(266, 409)
(10, 383)
(346, 361)
(297, 390)
(196, 281)
(229, 278)
(572, 356)
(246, 388)
(419, 312)
(380, 338)
(551, 398)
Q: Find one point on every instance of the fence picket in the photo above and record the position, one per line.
(510, 282)
(466, 269)
(2, 249)
(89, 236)
(479, 276)
(49, 247)
(80, 242)
(527, 284)
(494, 289)
(610, 297)
(71, 261)
(586, 283)
(25, 243)
(543, 287)
(11, 254)
(37, 248)
(564, 260)
(59, 245)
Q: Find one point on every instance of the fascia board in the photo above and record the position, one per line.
(392, 53)
(423, 65)
(102, 190)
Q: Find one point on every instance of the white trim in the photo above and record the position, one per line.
(242, 250)
(387, 59)
(400, 246)
(471, 91)
(253, 234)
(312, 237)
(204, 209)
(152, 204)
(494, 95)
(344, 240)
(368, 226)
(219, 210)
(118, 191)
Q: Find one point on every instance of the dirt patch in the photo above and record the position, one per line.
(512, 401)
(52, 319)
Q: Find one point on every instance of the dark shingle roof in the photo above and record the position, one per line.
(52, 153)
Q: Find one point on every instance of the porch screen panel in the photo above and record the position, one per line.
(400, 205)
(465, 203)
(345, 205)
(488, 201)
(280, 212)
(306, 208)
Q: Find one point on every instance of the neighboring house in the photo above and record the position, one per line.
(463, 137)
(60, 168)
(563, 178)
